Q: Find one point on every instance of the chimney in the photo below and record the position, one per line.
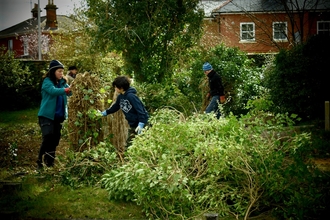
(34, 11)
(51, 15)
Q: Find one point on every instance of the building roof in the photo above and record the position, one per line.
(31, 24)
(209, 5)
(242, 6)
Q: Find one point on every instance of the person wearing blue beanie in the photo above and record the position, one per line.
(207, 66)
(52, 112)
(216, 92)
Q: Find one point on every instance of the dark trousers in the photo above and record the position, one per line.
(51, 135)
(130, 136)
(214, 106)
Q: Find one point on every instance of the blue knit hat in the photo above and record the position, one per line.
(207, 66)
(55, 64)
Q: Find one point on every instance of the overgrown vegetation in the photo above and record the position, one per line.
(180, 168)
(184, 167)
(152, 42)
(20, 81)
(70, 190)
(297, 80)
(251, 161)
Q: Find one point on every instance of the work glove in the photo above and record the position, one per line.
(104, 113)
(139, 128)
(99, 113)
(222, 99)
(67, 91)
(208, 96)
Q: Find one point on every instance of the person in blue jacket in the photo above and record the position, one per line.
(53, 111)
(131, 105)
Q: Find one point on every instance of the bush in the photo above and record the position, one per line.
(157, 96)
(20, 82)
(184, 167)
(297, 82)
(240, 76)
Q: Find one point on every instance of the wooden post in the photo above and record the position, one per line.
(327, 121)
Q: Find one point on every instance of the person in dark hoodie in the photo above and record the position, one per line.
(216, 92)
(53, 111)
(131, 105)
(72, 73)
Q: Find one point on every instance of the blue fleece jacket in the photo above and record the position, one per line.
(131, 106)
(49, 93)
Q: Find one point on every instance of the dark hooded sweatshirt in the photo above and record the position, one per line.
(131, 106)
(215, 83)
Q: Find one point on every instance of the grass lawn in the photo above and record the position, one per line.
(21, 117)
(27, 194)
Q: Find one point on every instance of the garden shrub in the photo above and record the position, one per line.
(183, 167)
(240, 76)
(20, 82)
(297, 81)
(158, 95)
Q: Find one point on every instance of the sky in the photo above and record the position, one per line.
(13, 12)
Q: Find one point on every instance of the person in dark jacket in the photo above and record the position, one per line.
(131, 105)
(216, 92)
(53, 111)
(71, 75)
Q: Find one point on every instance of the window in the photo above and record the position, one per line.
(10, 45)
(247, 32)
(323, 28)
(280, 31)
(25, 46)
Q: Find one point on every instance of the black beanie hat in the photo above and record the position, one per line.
(55, 64)
(72, 68)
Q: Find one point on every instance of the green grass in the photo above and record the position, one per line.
(42, 196)
(21, 117)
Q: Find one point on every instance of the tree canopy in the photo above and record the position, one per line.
(149, 34)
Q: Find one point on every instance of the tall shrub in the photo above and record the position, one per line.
(152, 39)
(298, 80)
(20, 82)
(241, 77)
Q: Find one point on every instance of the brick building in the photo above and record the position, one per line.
(22, 38)
(266, 26)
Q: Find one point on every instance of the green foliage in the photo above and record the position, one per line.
(20, 82)
(42, 198)
(158, 95)
(19, 140)
(241, 78)
(9, 118)
(149, 34)
(260, 104)
(73, 46)
(298, 80)
(81, 169)
(88, 134)
(85, 121)
(183, 167)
